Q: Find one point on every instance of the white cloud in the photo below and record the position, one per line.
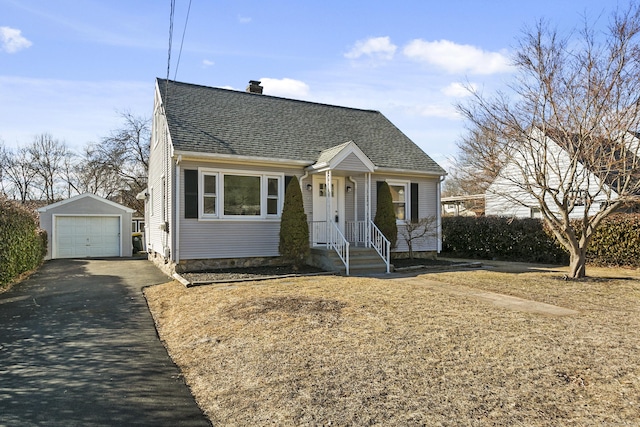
(440, 111)
(11, 40)
(207, 63)
(288, 88)
(374, 47)
(457, 58)
(459, 90)
(244, 19)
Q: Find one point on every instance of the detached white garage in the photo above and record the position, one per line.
(87, 226)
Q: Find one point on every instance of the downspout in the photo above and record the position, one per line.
(439, 215)
(302, 178)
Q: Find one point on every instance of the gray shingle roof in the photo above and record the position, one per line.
(221, 121)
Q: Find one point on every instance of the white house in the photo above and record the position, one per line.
(547, 170)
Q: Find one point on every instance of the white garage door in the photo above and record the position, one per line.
(87, 236)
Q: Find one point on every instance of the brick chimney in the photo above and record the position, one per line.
(254, 87)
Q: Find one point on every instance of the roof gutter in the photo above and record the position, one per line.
(196, 155)
(411, 172)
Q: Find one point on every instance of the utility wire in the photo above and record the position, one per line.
(171, 17)
(186, 21)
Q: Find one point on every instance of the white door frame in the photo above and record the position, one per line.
(322, 210)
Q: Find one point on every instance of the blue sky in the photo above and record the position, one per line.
(67, 66)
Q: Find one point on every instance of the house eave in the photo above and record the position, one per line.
(410, 172)
(233, 158)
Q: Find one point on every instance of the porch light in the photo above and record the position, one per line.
(348, 189)
(309, 187)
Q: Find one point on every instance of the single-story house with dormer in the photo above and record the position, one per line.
(220, 161)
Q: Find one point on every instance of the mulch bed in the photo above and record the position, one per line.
(261, 273)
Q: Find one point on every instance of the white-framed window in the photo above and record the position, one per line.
(536, 213)
(400, 197)
(209, 186)
(273, 195)
(240, 195)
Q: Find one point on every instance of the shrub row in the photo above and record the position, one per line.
(616, 242)
(500, 238)
(22, 244)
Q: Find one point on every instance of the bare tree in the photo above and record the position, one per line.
(416, 231)
(478, 161)
(20, 174)
(48, 156)
(125, 152)
(95, 174)
(565, 134)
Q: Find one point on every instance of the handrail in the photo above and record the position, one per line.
(340, 244)
(327, 233)
(381, 244)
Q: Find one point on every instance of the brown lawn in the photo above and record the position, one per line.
(365, 351)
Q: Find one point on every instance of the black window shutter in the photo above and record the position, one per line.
(287, 180)
(414, 202)
(190, 193)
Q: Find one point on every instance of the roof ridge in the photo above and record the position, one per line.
(236, 91)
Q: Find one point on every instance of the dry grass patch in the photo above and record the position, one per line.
(363, 351)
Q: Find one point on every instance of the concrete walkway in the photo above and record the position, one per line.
(78, 347)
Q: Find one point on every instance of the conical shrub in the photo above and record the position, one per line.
(294, 230)
(385, 218)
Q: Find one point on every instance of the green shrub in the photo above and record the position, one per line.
(616, 242)
(500, 238)
(385, 218)
(294, 229)
(22, 244)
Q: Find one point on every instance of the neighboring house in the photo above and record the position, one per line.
(87, 226)
(506, 195)
(467, 205)
(220, 161)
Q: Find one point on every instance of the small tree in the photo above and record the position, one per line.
(385, 218)
(294, 230)
(414, 231)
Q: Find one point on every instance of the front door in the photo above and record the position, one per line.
(336, 208)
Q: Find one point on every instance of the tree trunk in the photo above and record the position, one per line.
(577, 264)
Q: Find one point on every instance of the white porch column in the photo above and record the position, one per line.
(367, 208)
(329, 195)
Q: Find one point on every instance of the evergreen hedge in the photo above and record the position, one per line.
(22, 244)
(616, 242)
(500, 238)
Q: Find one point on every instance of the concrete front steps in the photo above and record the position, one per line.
(362, 261)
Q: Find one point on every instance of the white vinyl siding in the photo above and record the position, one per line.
(234, 236)
(428, 206)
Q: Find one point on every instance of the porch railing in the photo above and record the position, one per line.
(356, 232)
(381, 244)
(327, 233)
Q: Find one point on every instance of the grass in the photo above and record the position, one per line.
(367, 351)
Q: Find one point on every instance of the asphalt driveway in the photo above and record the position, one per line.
(78, 347)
